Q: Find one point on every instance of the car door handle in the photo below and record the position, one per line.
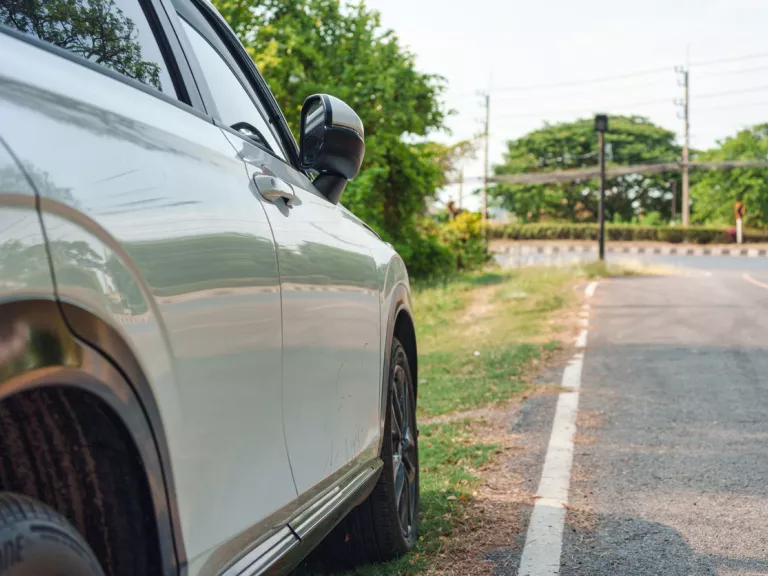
(272, 188)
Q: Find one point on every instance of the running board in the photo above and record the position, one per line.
(283, 551)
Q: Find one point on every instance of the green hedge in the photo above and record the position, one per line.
(621, 232)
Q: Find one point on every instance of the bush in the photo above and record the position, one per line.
(423, 253)
(435, 250)
(464, 237)
(620, 233)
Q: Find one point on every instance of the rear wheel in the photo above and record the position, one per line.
(386, 524)
(37, 541)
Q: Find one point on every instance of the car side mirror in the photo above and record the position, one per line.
(330, 143)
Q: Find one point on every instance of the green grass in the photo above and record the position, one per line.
(479, 337)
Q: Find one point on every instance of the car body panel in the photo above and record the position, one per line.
(331, 326)
(24, 269)
(151, 228)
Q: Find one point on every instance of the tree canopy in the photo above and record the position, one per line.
(714, 191)
(630, 140)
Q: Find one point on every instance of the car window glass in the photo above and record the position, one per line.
(234, 105)
(113, 33)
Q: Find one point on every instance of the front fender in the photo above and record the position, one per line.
(396, 306)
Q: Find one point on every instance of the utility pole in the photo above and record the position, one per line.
(686, 207)
(461, 187)
(485, 162)
(601, 126)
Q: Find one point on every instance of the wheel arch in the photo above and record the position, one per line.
(42, 352)
(400, 325)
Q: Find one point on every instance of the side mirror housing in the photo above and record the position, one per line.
(331, 143)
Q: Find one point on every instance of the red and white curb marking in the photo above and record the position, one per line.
(544, 541)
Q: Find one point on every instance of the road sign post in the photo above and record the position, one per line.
(739, 210)
(601, 127)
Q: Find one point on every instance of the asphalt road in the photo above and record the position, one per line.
(670, 471)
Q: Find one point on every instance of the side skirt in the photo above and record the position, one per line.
(288, 546)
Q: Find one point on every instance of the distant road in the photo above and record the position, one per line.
(670, 468)
(675, 475)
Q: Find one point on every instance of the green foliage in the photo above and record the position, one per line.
(621, 232)
(303, 47)
(465, 237)
(715, 191)
(631, 140)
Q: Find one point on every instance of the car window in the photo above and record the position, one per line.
(234, 105)
(113, 33)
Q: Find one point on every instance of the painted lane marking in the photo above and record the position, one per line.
(544, 540)
(751, 280)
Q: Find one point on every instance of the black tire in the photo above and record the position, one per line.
(374, 531)
(37, 541)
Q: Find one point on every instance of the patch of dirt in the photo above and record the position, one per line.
(499, 504)
(480, 305)
(589, 419)
(580, 518)
(584, 440)
(508, 408)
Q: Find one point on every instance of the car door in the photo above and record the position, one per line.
(150, 228)
(328, 281)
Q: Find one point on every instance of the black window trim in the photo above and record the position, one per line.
(186, 99)
(210, 101)
(243, 67)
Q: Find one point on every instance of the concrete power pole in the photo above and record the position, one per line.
(485, 160)
(461, 187)
(685, 207)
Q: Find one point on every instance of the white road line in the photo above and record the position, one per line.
(544, 541)
(751, 280)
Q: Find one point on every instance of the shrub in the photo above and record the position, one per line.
(464, 237)
(620, 233)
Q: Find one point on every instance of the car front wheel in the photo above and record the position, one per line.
(386, 524)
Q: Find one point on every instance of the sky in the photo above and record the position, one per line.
(511, 48)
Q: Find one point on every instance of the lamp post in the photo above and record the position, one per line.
(601, 127)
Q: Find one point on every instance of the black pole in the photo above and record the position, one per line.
(674, 200)
(601, 209)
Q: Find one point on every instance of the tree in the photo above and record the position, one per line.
(94, 29)
(304, 47)
(631, 140)
(714, 191)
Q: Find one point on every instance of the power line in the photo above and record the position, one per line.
(585, 81)
(585, 110)
(734, 59)
(730, 106)
(585, 89)
(729, 92)
(601, 79)
(629, 104)
(737, 71)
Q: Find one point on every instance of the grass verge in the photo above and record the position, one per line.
(479, 337)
